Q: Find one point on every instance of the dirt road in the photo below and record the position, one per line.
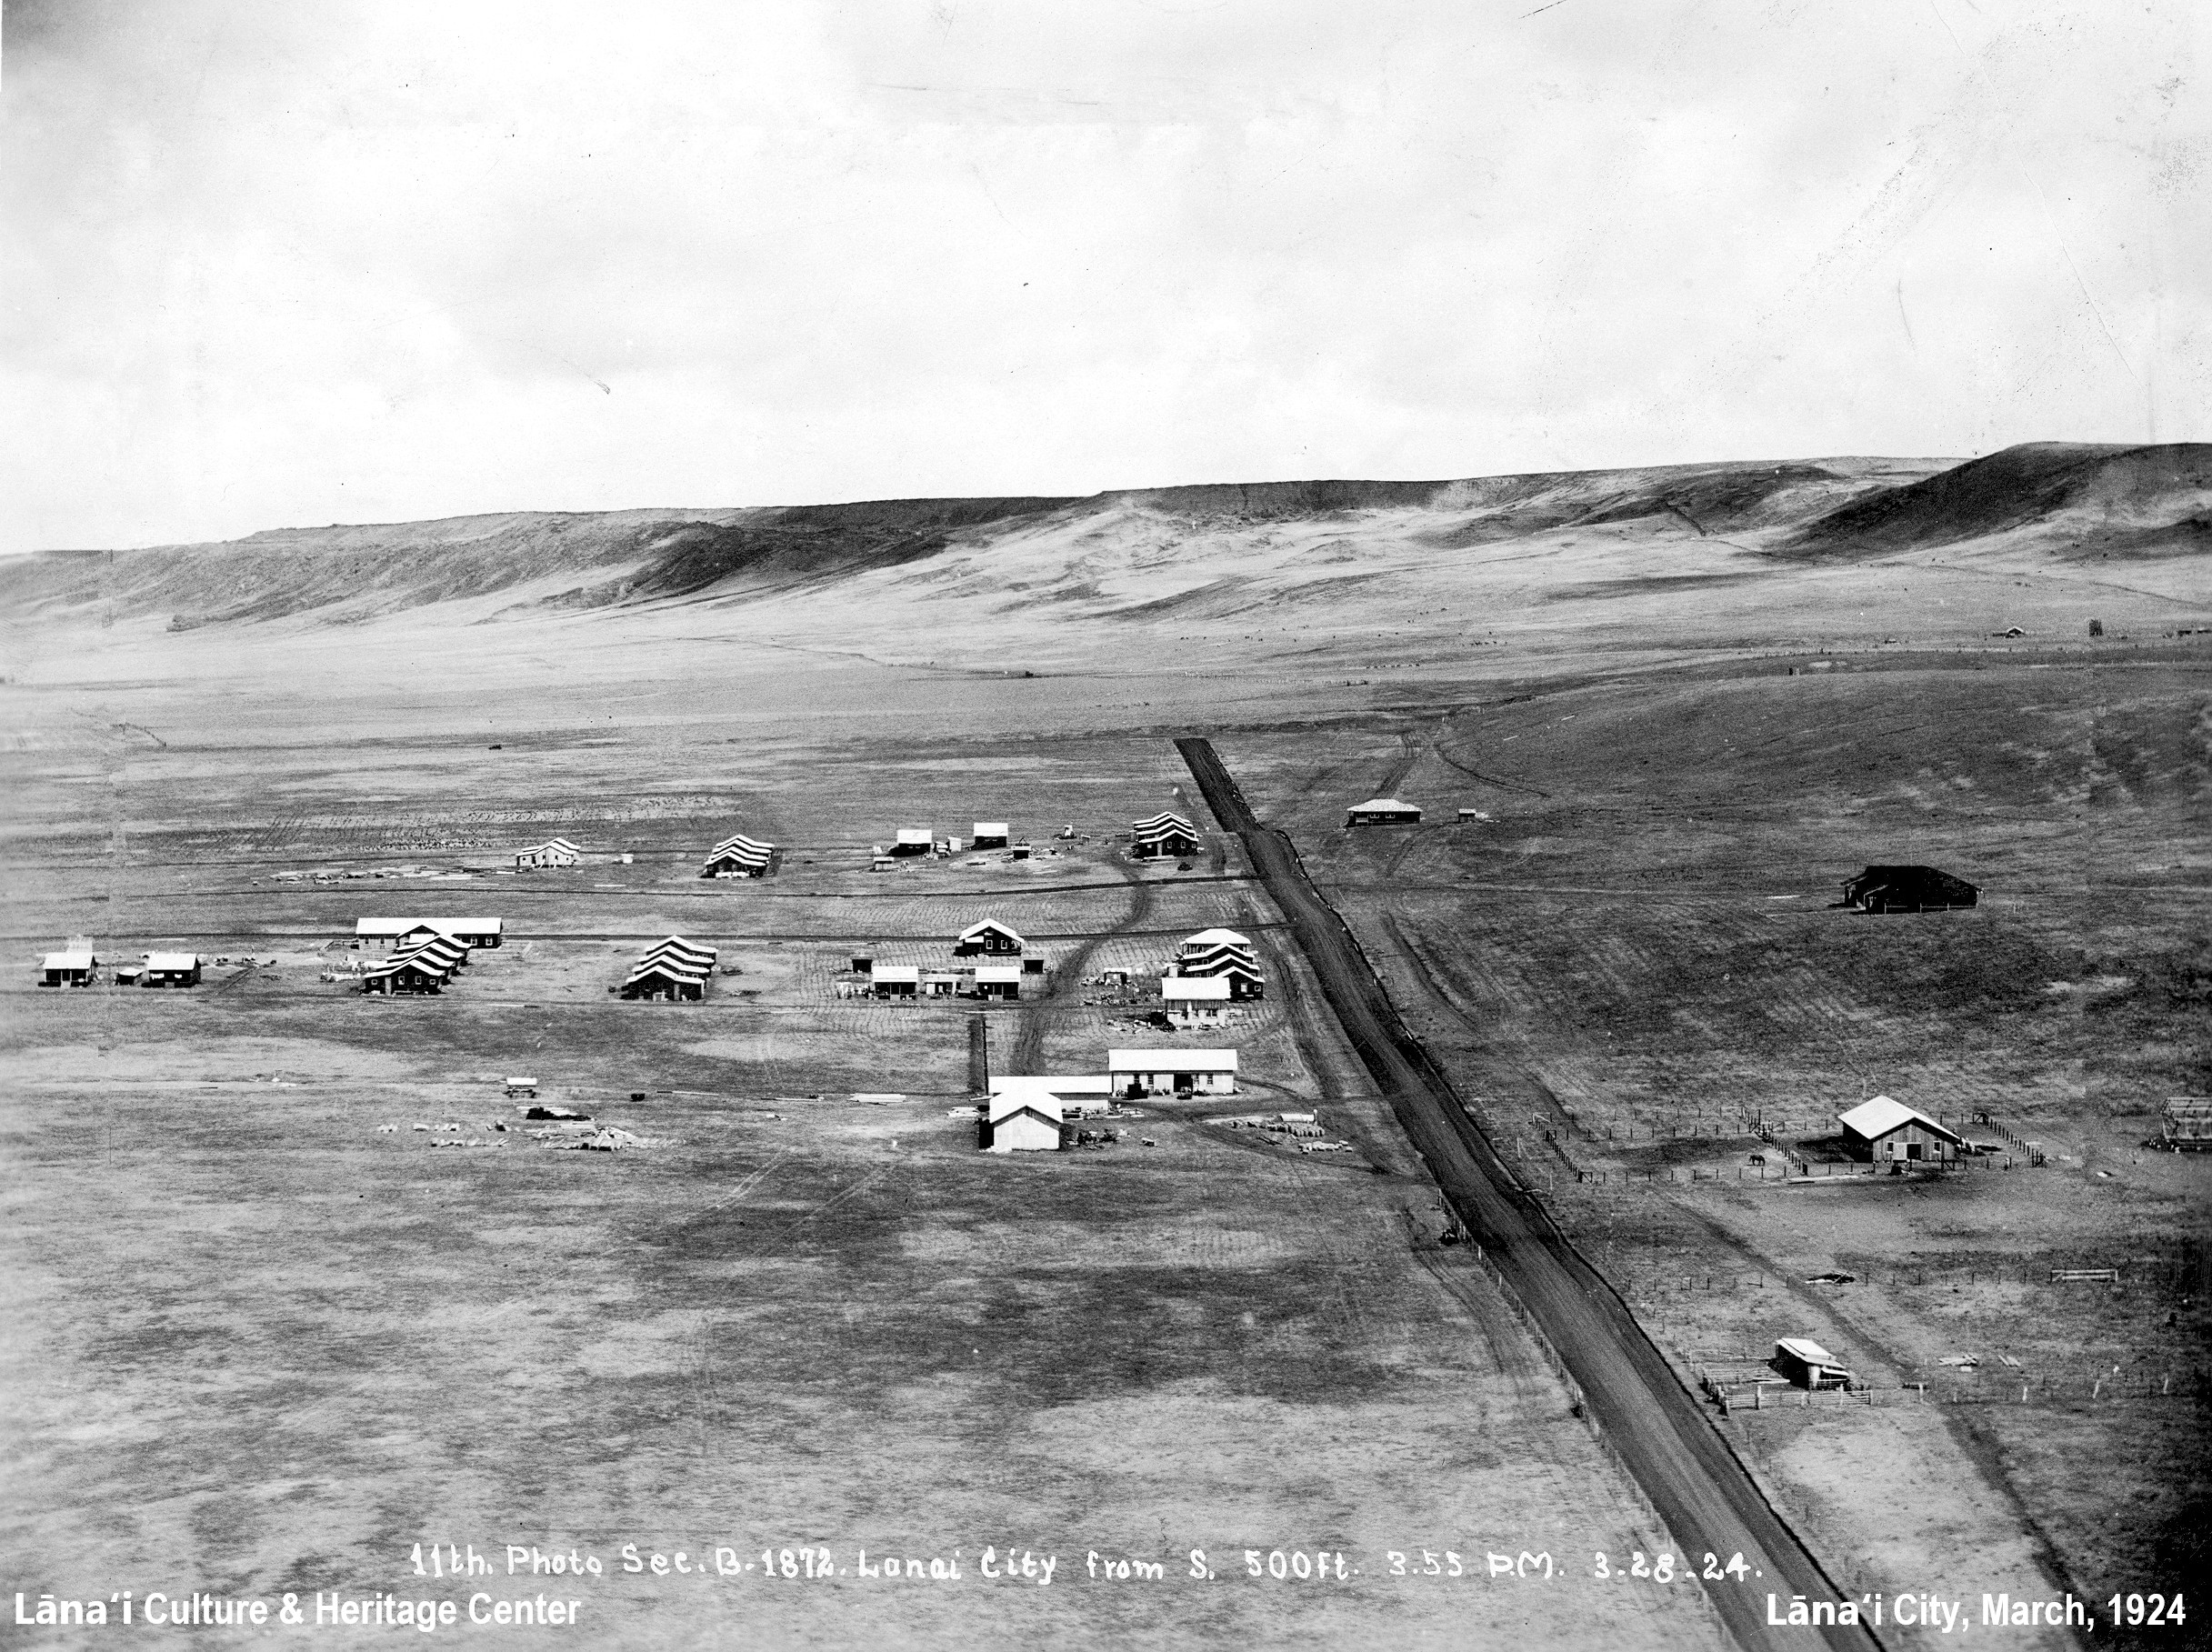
(1709, 1503)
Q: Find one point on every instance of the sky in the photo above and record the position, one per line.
(272, 264)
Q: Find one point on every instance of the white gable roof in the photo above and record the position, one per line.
(990, 925)
(1194, 986)
(1171, 1061)
(914, 835)
(1005, 1104)
(1392, 805)
(997, 974)
(366, 927)
(1215, 937)
(1806, 1349)
(1879, 1117)
(68, 960)
(172, 960)
(898, 972)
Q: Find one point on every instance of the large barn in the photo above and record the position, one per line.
(992, 835)
(1020, 1119)
(913, 840)
(1907, 890)
(1886, 1131)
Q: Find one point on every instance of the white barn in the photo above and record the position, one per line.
(1020, 1120)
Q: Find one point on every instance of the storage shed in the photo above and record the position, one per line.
(1171, 1072)
(1808, 1365)
(2185, 1125)
(1907, 890)
(1020, 1120)
(1383, 811)
(913, 840)
(1886, 1131)
(992, 835)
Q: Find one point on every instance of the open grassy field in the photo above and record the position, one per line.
(259, 1343)
(1633, 960)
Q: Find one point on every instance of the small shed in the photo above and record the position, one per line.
(1808, 1365)
(998, 981)
(1171, 1072)
(1194, 1000)
(65, 969)
(523, 1084)
(897, 980)
(863, 963)
(172, 969)
(913, 840)
(992, 835)
(1021, 1120)
(989, 936)
(553, 852)
(1886, 1131)
(1383, 811)
(1907, 890)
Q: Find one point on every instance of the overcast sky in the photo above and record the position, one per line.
(271, 263)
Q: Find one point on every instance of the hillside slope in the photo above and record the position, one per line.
(1142, 554)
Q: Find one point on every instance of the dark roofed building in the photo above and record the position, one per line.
(1907, 890)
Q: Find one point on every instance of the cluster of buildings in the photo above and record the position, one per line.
(909, 842)
(1039, 1113)
(675, 969)
(77, 965)
(423, 964)
(1009, 965)
(738, 855)
(1165, 836)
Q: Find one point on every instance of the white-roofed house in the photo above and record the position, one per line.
(171, 970)
(896, 980)
(913, 840)
(1383, 811)
(989, 936)
(1021, 1120)
(992, 835)
(553, 852)
(1207, 940)
(1171, 1072)
(65, 969)
(1194, 1000)
(1886, 1131)
(1078, 1093)
(998, 980)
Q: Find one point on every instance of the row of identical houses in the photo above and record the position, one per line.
(907, 842)
(1034, 1113)
(675, 970)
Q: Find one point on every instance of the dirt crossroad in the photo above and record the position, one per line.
(1708, 1502)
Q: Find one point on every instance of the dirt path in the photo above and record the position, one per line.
(1702, 1492)
(1028, 1053)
